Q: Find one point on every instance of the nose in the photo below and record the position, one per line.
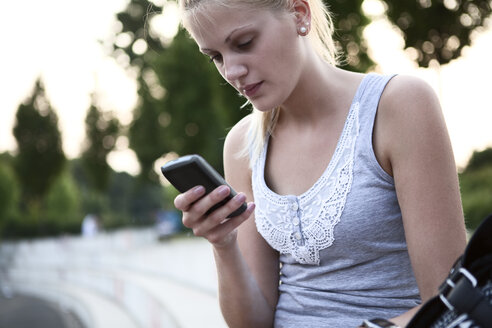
(234, 69)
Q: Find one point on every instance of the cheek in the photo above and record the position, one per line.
(283, 52)
(283, 64)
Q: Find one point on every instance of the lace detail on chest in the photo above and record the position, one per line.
(304, 225)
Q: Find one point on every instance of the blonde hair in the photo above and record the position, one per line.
(320, 36)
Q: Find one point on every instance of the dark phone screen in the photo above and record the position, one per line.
(188, 176)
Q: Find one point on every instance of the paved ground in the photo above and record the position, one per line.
(125, 279)
(22, 311)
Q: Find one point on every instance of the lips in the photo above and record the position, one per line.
(251, 89)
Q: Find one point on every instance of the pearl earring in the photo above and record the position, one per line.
(303, 30)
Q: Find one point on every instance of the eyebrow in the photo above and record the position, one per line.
(228, 38)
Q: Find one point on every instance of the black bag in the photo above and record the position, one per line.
(465, 297)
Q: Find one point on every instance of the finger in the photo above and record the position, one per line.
(223, 212)
(218, 234)
(219, 215)
(196, 211)
(183, 201)
(203, 205)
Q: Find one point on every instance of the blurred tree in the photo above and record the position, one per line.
(194, 116)
(9, 191)
(174, 114)
(184, 107)
(476, 194)
(120, 193)
(147, 199)
(135, 29)
(350, 21)
(63, 199)
(476, 187)
(438, 29)
(111, 206)
(40, 158)
(7, 158)
(61, 207)
(146, 134)
(101, 133)
(479, 159)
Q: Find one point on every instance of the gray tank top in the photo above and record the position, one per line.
(342, 246)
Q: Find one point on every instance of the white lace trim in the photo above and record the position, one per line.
(303, 225)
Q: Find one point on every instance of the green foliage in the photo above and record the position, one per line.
(199, 105)
(61, 207)
(480, 159)
(145, 134)
(57, 214)
(113, 206)
(135, 25)
(63, 198)
(127, 200)
(169, 194)
(17, 226)
(120, 192)
(437, 29)
(40, 156)
(476, 187)
(101, 134)
(185, 107)
(120, 199)
(349, 20)
(147, 199)
(476, 193)
(9, 192)
(194, 114)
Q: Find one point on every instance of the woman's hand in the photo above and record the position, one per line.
(215, 226)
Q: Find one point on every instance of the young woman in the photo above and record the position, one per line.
(354, 207)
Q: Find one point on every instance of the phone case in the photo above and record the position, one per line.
(189, 171)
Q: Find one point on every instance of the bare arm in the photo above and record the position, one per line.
(257, 298)
(248, 269)
(413, 145)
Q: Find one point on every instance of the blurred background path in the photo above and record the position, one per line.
(21, 311)
(121, 279)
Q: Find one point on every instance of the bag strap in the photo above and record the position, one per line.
(460, 293)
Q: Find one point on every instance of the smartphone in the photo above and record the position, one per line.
(189, 171)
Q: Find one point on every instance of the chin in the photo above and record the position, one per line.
(264, 106)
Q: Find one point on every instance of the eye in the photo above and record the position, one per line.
(245, 45)
(215, 58)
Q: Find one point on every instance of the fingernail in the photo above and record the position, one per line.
(223, 190)
(240, 198)
(198, 190)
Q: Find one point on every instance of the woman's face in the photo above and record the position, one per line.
(257, 51)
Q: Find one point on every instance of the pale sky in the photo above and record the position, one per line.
(59, 40)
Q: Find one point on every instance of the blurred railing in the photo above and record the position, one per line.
(122, 278)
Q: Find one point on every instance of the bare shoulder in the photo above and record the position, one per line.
(409, 116)
(236, 160)
(236, 138)
(408, 96)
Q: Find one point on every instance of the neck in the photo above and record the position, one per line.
(323, 92)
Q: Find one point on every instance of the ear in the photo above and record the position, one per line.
(302, 12)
